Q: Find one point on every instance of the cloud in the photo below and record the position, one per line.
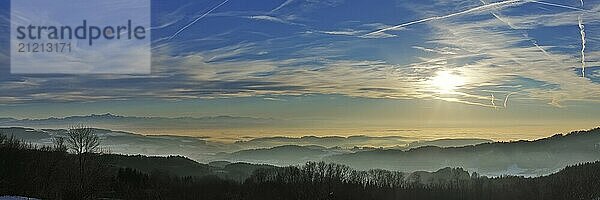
(443, 51)
(496, 52)
(502, 54)
(273, 19)
(344, 32)
(293, 76)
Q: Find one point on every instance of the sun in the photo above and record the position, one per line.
(446, 82)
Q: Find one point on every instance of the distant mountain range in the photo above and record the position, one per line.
(115, 121)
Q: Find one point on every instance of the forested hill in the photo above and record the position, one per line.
(181, 166)
(527, 158)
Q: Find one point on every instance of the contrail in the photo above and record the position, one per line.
(556, 5)
(196, 20)
(500, 18)
(495, 5)
(506, 99)
(541, 49)
(512, 26)
(282, 5)
(582, 31)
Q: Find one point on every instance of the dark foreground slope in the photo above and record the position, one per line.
(50, 174)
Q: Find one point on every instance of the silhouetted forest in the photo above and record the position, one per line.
(53, 173)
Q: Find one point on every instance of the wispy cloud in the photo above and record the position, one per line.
(506, 56)
(273, 19)
(486, 7)
(496, 52)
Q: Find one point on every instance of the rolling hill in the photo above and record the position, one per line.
(527, 158)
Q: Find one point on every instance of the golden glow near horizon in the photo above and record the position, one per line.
(446, 82)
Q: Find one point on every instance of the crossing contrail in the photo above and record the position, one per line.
(512, 26)
(282, 5)
(196, 20)
(557, 5)
(500, 18)
(541, 49)
(479, 8)
(582, 31)
(496, 5)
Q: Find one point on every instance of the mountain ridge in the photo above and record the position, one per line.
(131, 123)
(113, 116)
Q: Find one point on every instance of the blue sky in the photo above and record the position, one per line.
(477, 63)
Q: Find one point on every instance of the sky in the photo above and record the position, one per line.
(464, 68)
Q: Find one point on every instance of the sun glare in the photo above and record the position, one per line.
(446, 82)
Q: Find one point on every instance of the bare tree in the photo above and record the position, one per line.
(3, 138)
(82, 141)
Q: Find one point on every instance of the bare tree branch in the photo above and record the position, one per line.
(82, 140)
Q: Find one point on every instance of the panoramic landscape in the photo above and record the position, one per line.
(300, 99)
